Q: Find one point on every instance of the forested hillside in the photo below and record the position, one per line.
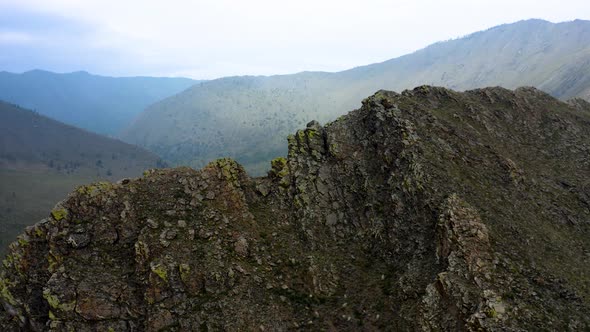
(248, 117)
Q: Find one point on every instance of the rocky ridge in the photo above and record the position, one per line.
(427, 210)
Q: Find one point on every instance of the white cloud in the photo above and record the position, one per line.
(221, 37)
(15, 37)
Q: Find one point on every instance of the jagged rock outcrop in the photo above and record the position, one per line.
(428, 210)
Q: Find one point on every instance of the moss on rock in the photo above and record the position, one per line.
(59, 213)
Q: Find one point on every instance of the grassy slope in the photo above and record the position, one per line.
(543, 145)
(25, 197)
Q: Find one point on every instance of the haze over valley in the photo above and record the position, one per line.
(248, 118)
(188, 122)
(100, 104)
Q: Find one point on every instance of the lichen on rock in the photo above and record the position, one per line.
(427, 210)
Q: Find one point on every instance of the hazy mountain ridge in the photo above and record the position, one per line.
(247, 117)
(499, 55)
(429, 210)
(36, 139)
(98, 103)
(42, 159)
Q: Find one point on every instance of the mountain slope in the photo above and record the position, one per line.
(97, 103)
(41, 160)
(430, 210)
(246, 117)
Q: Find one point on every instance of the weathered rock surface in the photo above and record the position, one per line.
(427, 210)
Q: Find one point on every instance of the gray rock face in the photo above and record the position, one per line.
(427, 210)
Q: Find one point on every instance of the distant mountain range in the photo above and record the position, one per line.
(41, 160)
(247, 118)
(97, 103)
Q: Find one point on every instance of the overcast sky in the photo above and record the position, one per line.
(210, 39)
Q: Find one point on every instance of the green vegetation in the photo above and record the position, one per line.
(59, 214)
(54, 302)
(185, 271)
(160, 271)
(5, 293)
(229, 169)
(279, 167)
(94, 188)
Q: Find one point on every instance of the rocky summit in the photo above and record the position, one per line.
(427, 210)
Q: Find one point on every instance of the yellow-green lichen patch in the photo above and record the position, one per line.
(53, 261)
(291, 139)
(39, 232)
(279, 167)
(51, 299)
(95, 188)
(59, 213)
(160, 271)
(278, 163)
(229, 169)
(301, 136)
(22, 241)
(5, 293)
(11, 259)
(185, 271)
(280, 170)
(54, 302)
(492, 313)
